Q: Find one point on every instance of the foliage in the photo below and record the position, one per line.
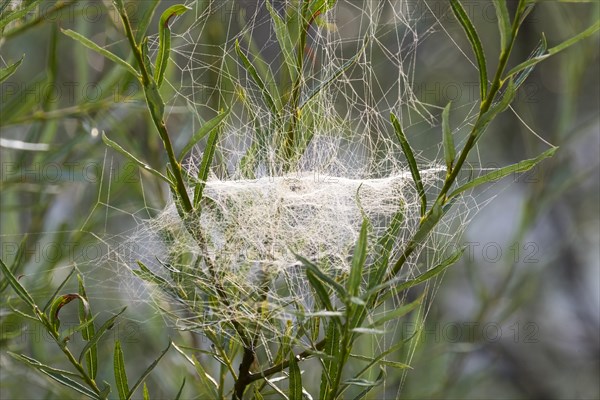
(346, 302)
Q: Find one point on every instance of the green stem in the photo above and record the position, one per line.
(156, 108)
(471, 141)
(291, 135)
(63, 347)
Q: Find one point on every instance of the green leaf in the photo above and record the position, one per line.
(208, 382)
(504, 25)
(149, 276)
(120, 374)
(412, 163)
(180, 389)
(330, 363)
(93, 46)
(285, 41)
(62, 301)
(569, 42)
(385, 245)
(58, 289)
(331, 78)
(358, 261)
(319, 289)
(379, 359)
(133, 158)
(207, 157)
(16, 263)
(397, 313)
(257, 79)
(205, 129)
(8, 71)
(507, 98)
(164, 41)
(39, 366)
(145, 20)
(519, 167)
(431, 273)
(448, 140)
(388, 363)
(17, 287)
(528, 64)
(467, 25)
(88, 332)
(341, 291)
(145, 393)
(295, 388)
(147, 372)
(108, 325)
(7, 18)
(58, 375)
(369, 384)
(537, 52)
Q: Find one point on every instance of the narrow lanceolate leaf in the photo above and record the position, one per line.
(285, 41)
(431, 273)
(17, 287)
(564, 45)
(257, 79)
(448, 139)
(209, 384)
(108, 325)
(91, 359)
(62, 301)
(178, 396)
(331, 78)
(93, 46)
(146, 274)
(369, 384)
(569, 42)
(519, 167)
(412, 163)
(8, 17)
(207, 157)
(396, 313)
(145, 393)
(164, 41)
(380, 358)
(358, 261)
(58, 289)
(142, 26)
(133, 158)
(504, 25)
(295, 388)
(147, 372)
(60, 376)
(524, 74)
(385, 245)
(340, 290)
(331, 363)
(319, 289)
(204, 130)
(463, 18)
(120, 374)
(8, 71)
(497, 108)
(435, 214)
(16, 264)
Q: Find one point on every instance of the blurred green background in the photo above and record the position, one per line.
(517, 318)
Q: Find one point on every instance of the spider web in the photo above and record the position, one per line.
(352, 170)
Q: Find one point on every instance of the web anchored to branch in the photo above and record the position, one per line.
(305, 159)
